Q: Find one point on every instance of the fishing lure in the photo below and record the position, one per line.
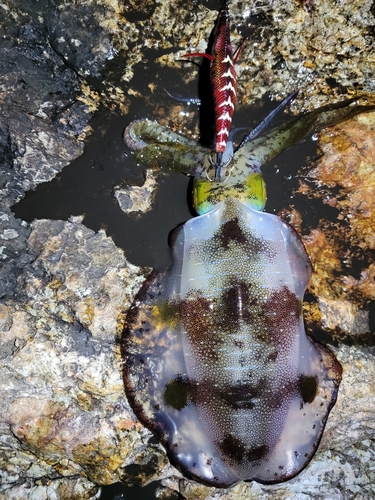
(216, 359)
(223, 83)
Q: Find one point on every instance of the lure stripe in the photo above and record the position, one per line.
(225, 116)
(227, 102)
(229, 86)
(228, 59)
(228, 73)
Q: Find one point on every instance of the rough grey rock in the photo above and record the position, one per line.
(137, 198)
(61, 372)
(41, 120)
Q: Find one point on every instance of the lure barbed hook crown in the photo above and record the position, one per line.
(213, 163)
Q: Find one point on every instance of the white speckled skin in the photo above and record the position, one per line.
(218, 364)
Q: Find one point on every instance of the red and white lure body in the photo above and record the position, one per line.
(223, 83)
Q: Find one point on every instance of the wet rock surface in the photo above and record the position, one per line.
(61, 374)
(137, 198)
(65, 425)
(41, 123)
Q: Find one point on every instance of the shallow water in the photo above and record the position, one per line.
(119, 491)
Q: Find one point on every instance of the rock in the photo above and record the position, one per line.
(341, 248)
(41, 124)
(61, 374)
(137, 198)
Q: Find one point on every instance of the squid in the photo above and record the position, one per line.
(217, 363)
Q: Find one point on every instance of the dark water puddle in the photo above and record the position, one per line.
(119, 491)
(86, 187)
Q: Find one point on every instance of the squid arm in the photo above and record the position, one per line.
(156, 145)
(270, 144)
